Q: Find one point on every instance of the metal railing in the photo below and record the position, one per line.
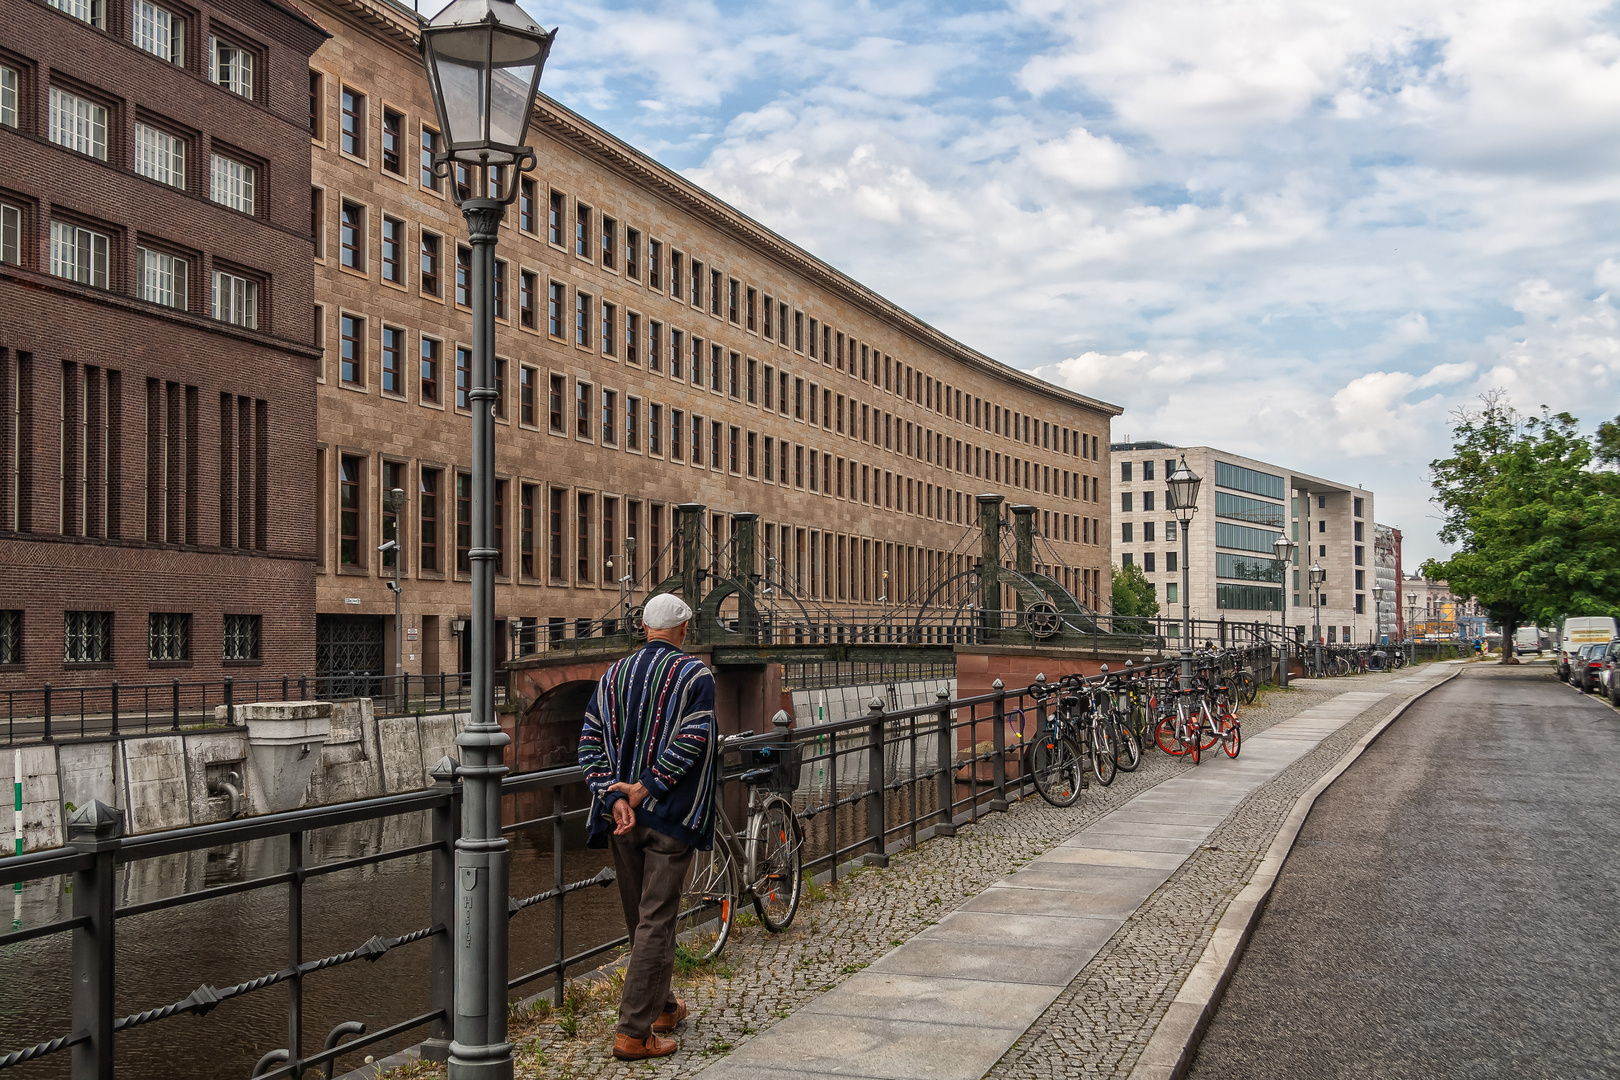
(49, 712)
(870, 785)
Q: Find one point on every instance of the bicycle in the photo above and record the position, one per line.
(763, 864)
(1056, 759)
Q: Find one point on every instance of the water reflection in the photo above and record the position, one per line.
(163, 955)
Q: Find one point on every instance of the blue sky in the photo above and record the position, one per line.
(1306, 231)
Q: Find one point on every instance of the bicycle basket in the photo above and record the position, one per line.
(783, 759)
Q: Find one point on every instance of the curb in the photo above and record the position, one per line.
(1170, 1051)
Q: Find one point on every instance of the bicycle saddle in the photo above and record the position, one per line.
(757, 776)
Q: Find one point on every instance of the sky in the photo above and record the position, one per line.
(1299, 230)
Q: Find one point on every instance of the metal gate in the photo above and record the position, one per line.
(348, 654)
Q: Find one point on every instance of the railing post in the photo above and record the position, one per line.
(115, 707)
(303, 688)
(175, 686)
(442, 957)
(875, 831)
(47, 736)
(94, 828)
(441, 691)
(998, 744)
(947, 766)
(230, 697)
(284, 688)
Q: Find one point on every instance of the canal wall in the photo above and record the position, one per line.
(173, 779)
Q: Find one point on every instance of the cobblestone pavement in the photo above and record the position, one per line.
(1097, 1027)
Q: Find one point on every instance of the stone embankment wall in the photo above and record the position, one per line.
(164, 781)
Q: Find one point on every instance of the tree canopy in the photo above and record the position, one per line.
(1133, 592)
(1534, 508)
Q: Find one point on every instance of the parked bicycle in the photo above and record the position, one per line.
(763, 864)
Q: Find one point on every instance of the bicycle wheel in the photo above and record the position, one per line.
(1248, 686)
(709, 904)
(1231, 736)
(1127, 748)
(1103, 765)
(780, 874)
(1208, 732)
(1057, 768)
(1165, 735)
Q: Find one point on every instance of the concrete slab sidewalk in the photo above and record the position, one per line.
(951, 1001)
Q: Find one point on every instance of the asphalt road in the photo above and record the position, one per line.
(1452, 905)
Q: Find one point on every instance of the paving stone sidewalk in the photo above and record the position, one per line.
(1098, 1024)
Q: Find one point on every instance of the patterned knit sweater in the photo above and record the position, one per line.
(652, 719)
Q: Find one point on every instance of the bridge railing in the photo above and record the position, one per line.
(49, 712)
(868, 786)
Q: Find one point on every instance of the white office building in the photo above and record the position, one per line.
(1242, 505)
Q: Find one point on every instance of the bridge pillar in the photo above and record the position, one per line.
(691, 557)
(1023, 544)
(742, 571)
(990, 566)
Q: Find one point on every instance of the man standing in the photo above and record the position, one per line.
(650, 756)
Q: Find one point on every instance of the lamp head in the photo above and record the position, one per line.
(1183, 485)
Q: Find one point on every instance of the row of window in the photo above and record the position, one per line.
(87, 252)
(81, 122)
(87, 637)
(229, 61)
(443, 511)
(611, 245)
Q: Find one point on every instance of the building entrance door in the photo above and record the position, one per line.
(348, 654)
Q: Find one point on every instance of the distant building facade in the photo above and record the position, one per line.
(1387, 567)
(156, 365)
(1242, 507)
(1432, 611)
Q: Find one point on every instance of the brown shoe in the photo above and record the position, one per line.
(669, 1021)
(626, 1048)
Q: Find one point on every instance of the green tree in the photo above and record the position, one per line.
(1133, 595)
(1535, 515)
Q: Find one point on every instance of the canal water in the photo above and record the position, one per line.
(162, 956)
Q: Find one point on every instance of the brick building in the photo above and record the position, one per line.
(156, 364)
(1242, 506)
(655, 346)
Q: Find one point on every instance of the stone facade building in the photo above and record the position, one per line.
(655, 347)
(156, 371)
(1242, 506)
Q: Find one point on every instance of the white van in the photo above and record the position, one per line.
(1583, 630)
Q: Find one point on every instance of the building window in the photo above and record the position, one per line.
(558, 552)
(714, 292)
(10, 234)
(351, 475)
(527, 493)
(582, 230)
(463, 523)
(87, 637)
(236, 300)
(352, 235)
(430, 369)
(79, 254)
(610, 418)
(241, 639)
(430, 149)
(556, 300)
(526, 208)
(499, 523)
(353, 139)
(655, 263)
(558, 387)
(463, 376)
(674, 275)
(93, 12)
(168, 636)
(1148, 561)
(582, 319)
(528, 283)
(610, 336)
(160, 156)
(163, 278)
(610, 235)
(500, 289)
(10, 91)
(677, 419)
(1127, 533)
(463, 275)
(393, 142)
(430, 264)
(527, 406)
(232, 184)
(393, 250)
(428, 520)
(582, 410)
(583, 538)
(78, 124)
(231, 66)
(393, 350)
(632, 254)
(697, 284)
(554, 222)
(158, 31)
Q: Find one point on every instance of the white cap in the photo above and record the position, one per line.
(664, 611)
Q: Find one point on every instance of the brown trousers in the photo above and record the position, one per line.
(652, 873)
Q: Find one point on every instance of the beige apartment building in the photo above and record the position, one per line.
(656, 347)
(1242, 506)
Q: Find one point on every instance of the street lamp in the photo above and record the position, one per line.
(1318, 576)
(1183, 494)
(483, 60)
(395, 500)
(1378, 614)
(1284, 547)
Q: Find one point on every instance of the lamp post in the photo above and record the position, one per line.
(1318, 576)
(1284, 547)
(483, 60)
(1378, 614)
(1183, 493)
(394, 500)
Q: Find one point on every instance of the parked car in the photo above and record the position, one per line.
(1609, 673)
(1579, 630)
(1587, 664)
